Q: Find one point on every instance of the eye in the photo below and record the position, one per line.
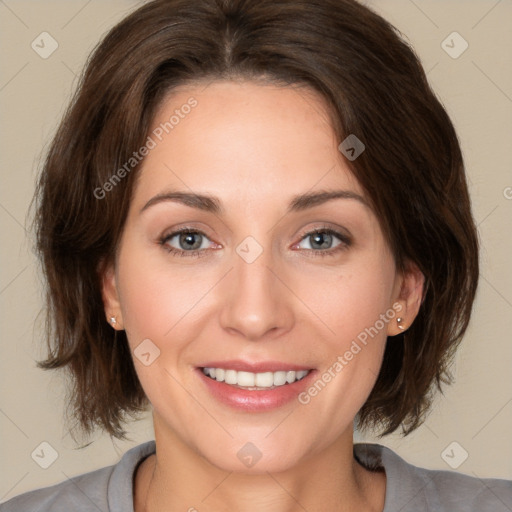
(324, 242)
(189, 242)
(186, 242)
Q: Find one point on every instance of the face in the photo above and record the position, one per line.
(265, 285)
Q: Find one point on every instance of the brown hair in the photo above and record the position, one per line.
(375, 87)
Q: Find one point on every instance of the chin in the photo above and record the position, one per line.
(253, 457)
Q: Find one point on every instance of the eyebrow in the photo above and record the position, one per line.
(213, 204)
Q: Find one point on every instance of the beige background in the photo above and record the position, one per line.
(476, 88)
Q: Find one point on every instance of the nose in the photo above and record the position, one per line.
(257, 304)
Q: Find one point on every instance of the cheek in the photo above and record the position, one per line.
(351, 299)
(356, 306)
(162, 305)
(155, 300)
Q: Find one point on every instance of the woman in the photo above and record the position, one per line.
(255, 217)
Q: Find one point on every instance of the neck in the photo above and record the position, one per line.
(178, 478)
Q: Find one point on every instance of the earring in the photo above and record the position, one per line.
(399, 321)
(113, 320)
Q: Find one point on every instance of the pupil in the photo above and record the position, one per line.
(322, 239)
(187, 239)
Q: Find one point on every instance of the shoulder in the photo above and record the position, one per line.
(410, 488)
(106, 489)
(80, 493)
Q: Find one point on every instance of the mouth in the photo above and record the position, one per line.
(255, 381)
(254, 387)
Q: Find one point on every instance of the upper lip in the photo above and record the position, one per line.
(254, 367)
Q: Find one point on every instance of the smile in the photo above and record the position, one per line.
(255, 381)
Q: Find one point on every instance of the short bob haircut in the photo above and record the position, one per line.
(374, 86)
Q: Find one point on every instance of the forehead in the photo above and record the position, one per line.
(244, 141)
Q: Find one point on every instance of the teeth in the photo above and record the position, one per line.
(230, 376)
(246, 379)
(255, 380)
(263, 380)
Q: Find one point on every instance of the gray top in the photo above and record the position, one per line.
(408, 488)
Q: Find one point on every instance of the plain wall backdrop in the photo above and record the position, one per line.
(470, 425)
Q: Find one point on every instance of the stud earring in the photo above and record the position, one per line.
(399, 321)
(113, 320)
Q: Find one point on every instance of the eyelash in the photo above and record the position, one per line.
(199, 253)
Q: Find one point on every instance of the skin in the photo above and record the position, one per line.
(254, 146)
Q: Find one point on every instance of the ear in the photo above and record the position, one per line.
(110, 295)
(408, 296)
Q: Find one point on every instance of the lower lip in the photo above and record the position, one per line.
(257, 400)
